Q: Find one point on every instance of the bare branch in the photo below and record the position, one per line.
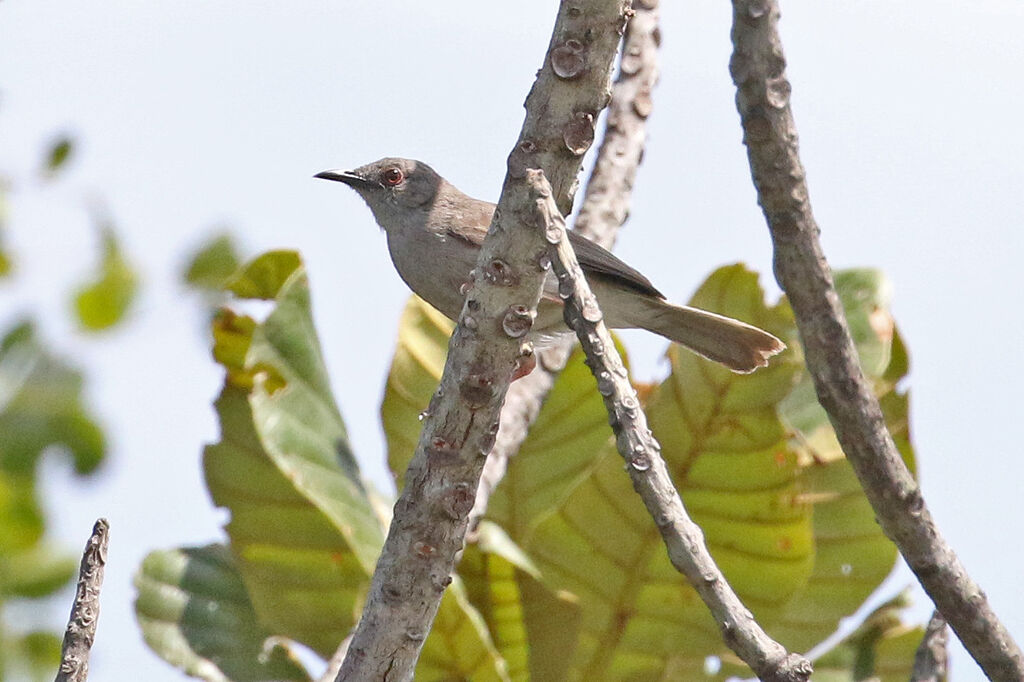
(605, 208)
(85, 612)
(758, 70)
(683, 538)
(930, 659)
(431, 514)
(606, 202)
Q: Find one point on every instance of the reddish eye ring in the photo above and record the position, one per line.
(393, 176)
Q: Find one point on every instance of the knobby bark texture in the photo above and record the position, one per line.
(604, 210)
(85, 612)
(930, 661)
(431, 515)
(647, 470)
(769, 132)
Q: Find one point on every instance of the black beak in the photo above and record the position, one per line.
(347, 177)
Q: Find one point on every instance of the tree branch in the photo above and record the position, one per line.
(758, 70)
(647, 470)
(930, 659)
(431, 514)
(605, 208)
(85, 612)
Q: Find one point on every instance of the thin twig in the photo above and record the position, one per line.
(758, 70)
(85, 612)
(431, 515)
(605, 208)
(930, 659)
(647, 470)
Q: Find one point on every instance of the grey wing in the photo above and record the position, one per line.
(598, 261)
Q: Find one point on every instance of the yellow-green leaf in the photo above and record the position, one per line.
(729, 456)
(58, 154)
(103, 301)
(415, 372)
(212, 264)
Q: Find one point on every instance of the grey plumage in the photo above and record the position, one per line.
(434, 233)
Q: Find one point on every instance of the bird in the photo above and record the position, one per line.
(434, 235)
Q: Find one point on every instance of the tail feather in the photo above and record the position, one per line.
(737, 345)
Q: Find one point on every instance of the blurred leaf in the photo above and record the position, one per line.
(6, 263)
(195, 613)
(212, 264)
(882, 649)
(40, 406)
(103, 301)
(30, 656)
(302, 527)
(263, 277)
(35, 572)
(58, 154)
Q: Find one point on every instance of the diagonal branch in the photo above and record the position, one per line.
(605, 208)
(758, 70)
(431, 515)
(683, 538)
(85, 612)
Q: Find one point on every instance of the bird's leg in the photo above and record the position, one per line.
(524, 365)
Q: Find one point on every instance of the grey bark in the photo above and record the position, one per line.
(85, 611)
(431, 515)
(605, 208)
(769, 132)
(682, 537)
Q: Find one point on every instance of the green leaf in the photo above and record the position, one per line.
(852, 555)
(416, 368)
(212, 264)
(29, 656)
(103, 301)
(41, 406)
(729, 456)
(57, 156)
(263, 277)
(6, 263)
(881, 649)
(459, 646)
(302, 526)
(35, 572)
(533, 629)
(195, 613)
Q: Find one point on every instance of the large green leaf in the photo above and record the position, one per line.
(103, 301)
(534, 629)
(852, 555)
(729, 456)
(301, 523)
(416, 368)
(194, 611)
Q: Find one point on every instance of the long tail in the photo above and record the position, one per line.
(737, 345)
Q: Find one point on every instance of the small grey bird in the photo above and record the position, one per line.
(434, 234)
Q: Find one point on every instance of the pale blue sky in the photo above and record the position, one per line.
(193, 114)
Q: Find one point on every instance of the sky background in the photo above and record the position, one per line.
(193, 115)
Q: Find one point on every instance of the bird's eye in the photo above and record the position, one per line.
(392, 176)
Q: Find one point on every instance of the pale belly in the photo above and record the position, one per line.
(435, 267)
